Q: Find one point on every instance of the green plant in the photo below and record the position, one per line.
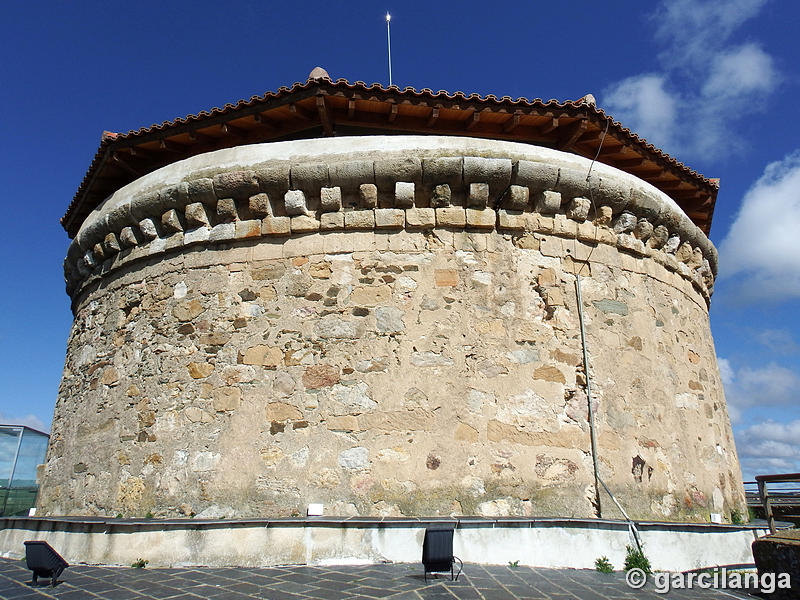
(140, 563)
(149, 515)
(635, 559)
(603, 565)
(513, 565)
(737, 518)
(119, 516)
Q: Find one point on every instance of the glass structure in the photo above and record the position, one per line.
(22, 450)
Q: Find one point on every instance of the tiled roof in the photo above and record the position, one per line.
(320, 106)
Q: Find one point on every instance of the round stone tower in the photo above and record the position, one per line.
(388, 324)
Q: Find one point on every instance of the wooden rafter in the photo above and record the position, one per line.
(571, 134)
(433, 118)
(324, 117)
(512, 123)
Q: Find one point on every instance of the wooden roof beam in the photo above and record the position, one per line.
(571, 134)
(171, 146)
(351, 108)
(125, 165)
(196, 136)
(392, 113)
(627, 163)
(324, 117)
(233, 130)
(512, 123)
(473, 120)
(433, 118)
(552, 125)
(300, 112)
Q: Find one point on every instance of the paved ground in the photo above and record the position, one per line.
(395, 582)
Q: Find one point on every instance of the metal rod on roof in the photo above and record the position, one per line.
(389, 44)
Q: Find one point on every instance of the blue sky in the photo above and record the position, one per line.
(714, 83)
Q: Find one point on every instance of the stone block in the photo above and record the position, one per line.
(481, 219)
(330, 199)
(235, 184)
(420, 218)
(148, 229)
(534, 175)
(389, 171)
(222, 233)
(201, 190)
(310, 178)
(587, 232)
(248, 229)
(478, 196)
(173, 241)
(259, 205)
(658, 238)
(359, 219)
(196, 215)
(578, 209)
(350, 175)
(624, 223)
(128, 237)
(516, 198)
(547, 202)
(626, 241)
(170, 221)
(494, 171)
(196, 236)
(295, 202)
(403, 194)
(329, 221)
(273, 179)
(511, 219)
(671, 245)
(275, 226)
(390, 218)
(613, 192)
(110, 245)
(447, 170)
(368, 195)
(226, 210)
(564, 226)
(643, 230)
(604, 215)
(571, 183)
(441, 196)
(454, 216)
(304, 224)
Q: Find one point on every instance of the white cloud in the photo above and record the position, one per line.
(643, 104)
(769, 447)
(692, 29)
(762, 245)
(739, 72)
(771, 385)
(778, 340)
(725, 371)
(709, 79)
(30, 420)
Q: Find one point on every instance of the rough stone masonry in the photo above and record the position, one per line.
(388, 326)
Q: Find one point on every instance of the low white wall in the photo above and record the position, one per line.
(539, 543)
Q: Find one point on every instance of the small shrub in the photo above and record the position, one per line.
(603, 565)
(514, 564)
(149, 515)
(737, 518)
(119, 516)
(140, 563)
(635, 559)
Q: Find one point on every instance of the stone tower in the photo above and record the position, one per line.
(366, 297)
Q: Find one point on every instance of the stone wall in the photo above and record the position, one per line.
(389, 326)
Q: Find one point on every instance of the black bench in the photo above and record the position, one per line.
(44, 561)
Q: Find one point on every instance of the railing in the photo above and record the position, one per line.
(782, 498)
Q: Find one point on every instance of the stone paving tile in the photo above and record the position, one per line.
(363, 582)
